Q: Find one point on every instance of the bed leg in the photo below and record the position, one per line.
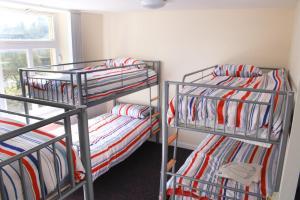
(283, 142)
(85, 153)
(23, 89)
(163, 180)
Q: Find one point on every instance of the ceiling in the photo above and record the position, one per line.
(134, 5)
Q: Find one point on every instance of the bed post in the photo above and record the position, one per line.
(79, 88)
(23, 89)
(163, 174)
(150, 107)
(85, 153)
(285, 134)
(159, 100)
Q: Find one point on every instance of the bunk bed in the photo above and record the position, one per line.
(89, 82)
(35, 164)
(114, 135)
(246, 112)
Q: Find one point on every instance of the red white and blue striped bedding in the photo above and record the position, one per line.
(207, 112)
(109, 82)
(17, 145)
(113, 138)
(237, 70)
(215, 151)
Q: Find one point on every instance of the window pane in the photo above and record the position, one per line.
(42, 57)
(10, 62)
(15, 25)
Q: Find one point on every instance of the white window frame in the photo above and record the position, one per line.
(28, 46)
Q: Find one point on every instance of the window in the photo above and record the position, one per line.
(22, 26)
(27, 39)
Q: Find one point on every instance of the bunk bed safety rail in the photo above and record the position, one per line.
(209, 189)
(73, 83)
(212, 124)
(63, 187)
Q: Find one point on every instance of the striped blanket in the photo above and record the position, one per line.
(17, 145)
(215, 151)
(113, 138)
(244, 117)
(100, 84)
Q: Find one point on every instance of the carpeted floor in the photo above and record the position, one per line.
(135, 178)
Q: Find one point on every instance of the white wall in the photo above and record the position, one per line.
(294, 62)
(292, 162)
(63, 31)
(91, 26)
(187, 40)
(92, 46)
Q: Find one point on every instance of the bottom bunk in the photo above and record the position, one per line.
(113, 138)
(199, 178)
(35, 164)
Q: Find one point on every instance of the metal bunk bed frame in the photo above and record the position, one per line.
(82, 75)
(168, 167)
(80, 112)
(81, 82)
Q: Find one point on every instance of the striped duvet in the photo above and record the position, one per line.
(17, 145)
(212, 153)
(111, 81)
(208, 112)
(113, 138)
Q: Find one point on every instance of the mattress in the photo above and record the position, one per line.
(113, 138)
(17, 145)
(233, 116)
(213, 152)
(100, 84)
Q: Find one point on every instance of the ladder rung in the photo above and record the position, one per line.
(154, 98)
(172, 138)
(155, 114)
(171, 164)
(156, 131)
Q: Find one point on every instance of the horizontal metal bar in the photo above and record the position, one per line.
(118, 81)
(121, 73)
(225, 99)
(207, 130)
(226, 87)
(115, 88)
(37, 125)
(211, 193)
(48, 79)
(30, 151)
(20, 114)
(64, 64)
(37, 101)
(77, 70)
(119, 94)
(213, 184)
(196, 72)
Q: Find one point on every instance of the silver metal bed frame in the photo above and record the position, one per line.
(79, 77)
(76, 73)
(168, 168)
(62, 191)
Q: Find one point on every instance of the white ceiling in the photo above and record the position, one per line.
(134, 5)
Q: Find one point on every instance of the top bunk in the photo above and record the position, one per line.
(89, 82)
(245, 102)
